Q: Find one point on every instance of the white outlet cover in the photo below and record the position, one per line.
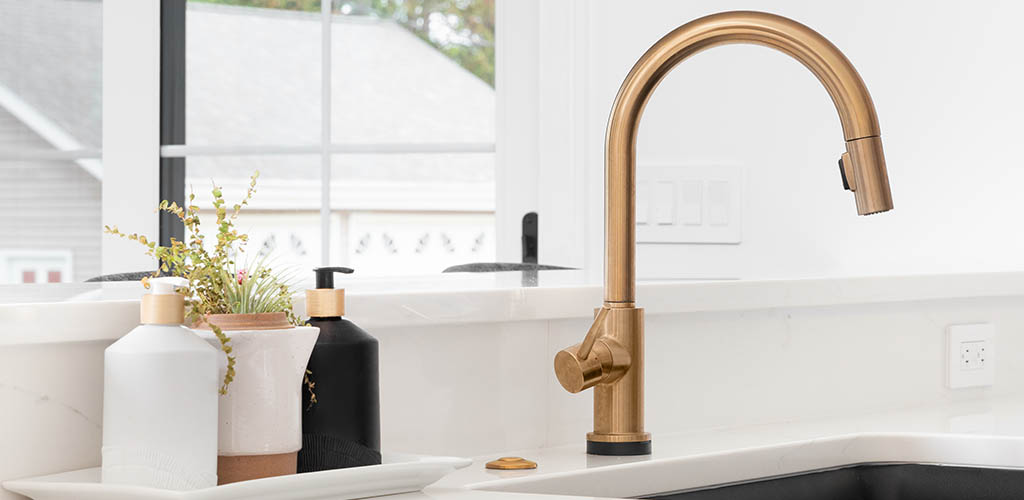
(971, 355)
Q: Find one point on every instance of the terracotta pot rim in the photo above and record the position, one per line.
(235, 322)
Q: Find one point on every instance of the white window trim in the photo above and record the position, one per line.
(543, 152)
(516, 121)
(131, 129)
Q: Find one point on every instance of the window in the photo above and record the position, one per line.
(371, 123)
(50, 138)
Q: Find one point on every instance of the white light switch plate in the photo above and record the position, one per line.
(971, 355)
(689, 204)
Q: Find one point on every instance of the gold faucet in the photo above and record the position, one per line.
(611, 356)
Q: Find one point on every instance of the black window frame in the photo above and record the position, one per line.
(172, 114)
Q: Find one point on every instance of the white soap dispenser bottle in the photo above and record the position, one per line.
(160, 386)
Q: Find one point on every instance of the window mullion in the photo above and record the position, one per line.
(172, 114)
(398, 148)
(325, 133)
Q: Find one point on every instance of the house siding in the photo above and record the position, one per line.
(48, 205)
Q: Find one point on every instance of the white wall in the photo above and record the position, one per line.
(945, 78)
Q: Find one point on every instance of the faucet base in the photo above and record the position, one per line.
(624, 448)
(634, 443)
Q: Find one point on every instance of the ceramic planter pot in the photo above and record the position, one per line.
(260, 420)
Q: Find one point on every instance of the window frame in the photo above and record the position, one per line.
(172, 114)
(131, 129)
(143, 153)
(174, 151)
(546, 160)
(63, 147)
(130, 175)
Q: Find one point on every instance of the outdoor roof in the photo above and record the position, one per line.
(254, 78)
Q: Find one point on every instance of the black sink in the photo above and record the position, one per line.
(874, 482)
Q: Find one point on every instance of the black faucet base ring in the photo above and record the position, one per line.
(626, 448)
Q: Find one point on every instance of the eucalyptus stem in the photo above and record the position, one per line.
(225, 345)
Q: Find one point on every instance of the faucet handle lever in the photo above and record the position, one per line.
(608, 362)
(595, 331)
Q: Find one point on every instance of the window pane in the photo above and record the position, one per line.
(418, 72)
(283, 218)
(50, 71)
(413, 71)
(254, 78)
(50, 100)
(50, 221)
(252, 74)
(413, 214)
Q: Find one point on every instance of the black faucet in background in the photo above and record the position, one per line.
(530, 238)
(528, 266)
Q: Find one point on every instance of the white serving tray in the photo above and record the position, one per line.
(400, 473)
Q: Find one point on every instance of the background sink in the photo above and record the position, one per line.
(873, 482)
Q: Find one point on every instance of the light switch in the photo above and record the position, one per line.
(664, 203)
(719, 203)
(698, 204)
(643, 204)
(691, 202)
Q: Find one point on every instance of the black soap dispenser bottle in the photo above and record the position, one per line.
(341, 428)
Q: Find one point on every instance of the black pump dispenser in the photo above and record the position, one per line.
(342, 428)
(325, 276)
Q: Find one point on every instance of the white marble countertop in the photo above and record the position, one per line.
(986, 433)
(972, 433)
(107, 311)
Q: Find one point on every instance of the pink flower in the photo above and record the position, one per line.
(242, 275)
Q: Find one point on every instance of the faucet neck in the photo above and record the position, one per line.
(833, 69)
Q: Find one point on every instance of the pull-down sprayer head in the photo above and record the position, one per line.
(863, 171)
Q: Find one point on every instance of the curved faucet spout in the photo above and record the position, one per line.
(865, 164)
(611, 357)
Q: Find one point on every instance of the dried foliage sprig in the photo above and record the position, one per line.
(307, 380)
(216, 285)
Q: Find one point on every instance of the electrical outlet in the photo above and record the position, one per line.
(971, 355)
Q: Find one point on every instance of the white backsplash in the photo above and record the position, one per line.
(481, 388)
(472, 389)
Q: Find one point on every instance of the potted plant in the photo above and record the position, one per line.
(246, 310)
